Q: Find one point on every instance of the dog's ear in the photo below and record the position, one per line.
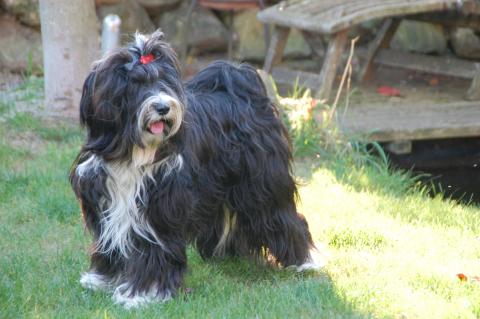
(87, 98)
(101, 115)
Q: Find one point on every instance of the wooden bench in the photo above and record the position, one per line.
(335, 17)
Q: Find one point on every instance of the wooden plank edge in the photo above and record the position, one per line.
(421, 134)
(449, 66)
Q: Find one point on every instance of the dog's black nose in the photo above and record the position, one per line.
(161, 108)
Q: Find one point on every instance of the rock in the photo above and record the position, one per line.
(420, 37)
(205, 34)
(25, 10)
(134, 17)
(296, 47)
(20, 46)
(251, 41)
(465, 43)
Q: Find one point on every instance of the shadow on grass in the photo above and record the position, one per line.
(310, 293)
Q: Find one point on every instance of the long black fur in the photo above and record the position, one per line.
(236, 158)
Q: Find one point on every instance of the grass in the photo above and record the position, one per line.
(393, 251)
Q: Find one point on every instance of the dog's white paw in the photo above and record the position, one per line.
(94, 281)
(124, 297)
(316, 261)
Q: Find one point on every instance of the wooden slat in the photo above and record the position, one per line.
(276, 47)
(331, 63)
(452, 19)
(286, 76)
(448, 66)
(473, 93)
(413, 122)
(332, 16)
(382, 40)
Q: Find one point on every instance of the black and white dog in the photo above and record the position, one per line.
(167, 163)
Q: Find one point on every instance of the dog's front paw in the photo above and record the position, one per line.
(123, 296)
(94, 281)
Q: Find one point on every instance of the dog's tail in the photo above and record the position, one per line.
(236, 80)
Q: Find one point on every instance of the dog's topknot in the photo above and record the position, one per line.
(159, 56)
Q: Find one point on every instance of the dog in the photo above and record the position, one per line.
(167, 163)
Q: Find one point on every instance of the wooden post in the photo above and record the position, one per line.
(474, 91)
(276, 47)
(330, 64)
(269, 86)
(70, 41)
(381, 41)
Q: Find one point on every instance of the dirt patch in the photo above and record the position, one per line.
(9, 80)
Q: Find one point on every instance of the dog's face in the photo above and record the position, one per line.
(133, 99)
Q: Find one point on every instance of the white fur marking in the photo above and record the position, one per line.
(92, 163)
(140, 40)
(174, 163)
(122, 295)
(229, 224)
(316, 261)
(126, 187)
(143, 156)
(94, 281)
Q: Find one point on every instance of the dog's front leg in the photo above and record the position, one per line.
(154, 271)
(152, 274)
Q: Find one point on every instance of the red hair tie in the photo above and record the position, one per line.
(145, 59)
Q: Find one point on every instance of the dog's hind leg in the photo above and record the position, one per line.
(280, 233)
(220, 238)
(268, 219)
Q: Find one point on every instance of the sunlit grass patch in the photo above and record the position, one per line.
(349, 238)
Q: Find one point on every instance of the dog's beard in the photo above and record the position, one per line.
(155, 128)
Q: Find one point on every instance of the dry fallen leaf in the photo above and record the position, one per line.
(388, 91)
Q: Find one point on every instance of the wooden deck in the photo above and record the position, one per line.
(430, 107)
(331, 16)
(412, 121)
(423, 111)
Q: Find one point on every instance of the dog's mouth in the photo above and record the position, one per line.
(159, 127)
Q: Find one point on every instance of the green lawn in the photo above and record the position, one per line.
(393, 251)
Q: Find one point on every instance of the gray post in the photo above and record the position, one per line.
(110, 33)
(70, 44)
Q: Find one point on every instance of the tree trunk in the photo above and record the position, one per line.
(70, 44)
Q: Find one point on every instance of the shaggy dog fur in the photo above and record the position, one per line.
(165, 164)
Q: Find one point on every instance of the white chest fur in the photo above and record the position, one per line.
(123, 217)
(122, 213)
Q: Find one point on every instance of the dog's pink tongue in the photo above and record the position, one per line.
(157, 127)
